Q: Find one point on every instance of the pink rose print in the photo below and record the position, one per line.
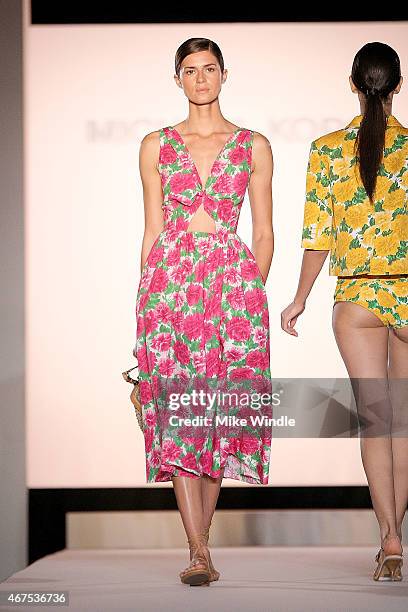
(148, 436)
(214, 307)
(206, 461)
(189, 461)
(178, 321)
(209, 330)
(178, 276)
(240, 182)
(159, 280)
(265, 319)
(162, 342)
(180, 182)
(213, 362)
(193, 325)
(261, 337)
(215, 259)
(166, 367)
(218, 167)
(234, 354)
(199, 363)
(236, 298)
(239, 328)
(224, 184)
(156, 255)
(170, 450)
(145, 391)
(194, 294)
(202, 315)
(242, 374)
(249, 270)
(232, 276)
(173, 258)
(257, 359)
(142, 305)
(179, 300)
(238, 155)
(149, 415)
(150, 321)
(249, 445)
(181, 352)
(255, 300)
(167, 155)
(164, 313)
(224, 210)
(156, 457)
(243, 137)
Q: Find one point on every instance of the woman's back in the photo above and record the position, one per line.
(364, 237)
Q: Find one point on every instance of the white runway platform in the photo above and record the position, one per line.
(252, 579)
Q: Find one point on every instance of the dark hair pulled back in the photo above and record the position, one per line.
(194, 45)
(376, 72)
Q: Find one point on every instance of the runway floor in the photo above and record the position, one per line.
(252, 579)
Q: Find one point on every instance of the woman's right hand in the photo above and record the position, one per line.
(289, 317)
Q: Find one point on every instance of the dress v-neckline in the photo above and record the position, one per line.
(186, 149)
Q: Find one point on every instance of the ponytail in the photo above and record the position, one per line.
(370, 142)
(376, 73)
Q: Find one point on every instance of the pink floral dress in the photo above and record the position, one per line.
(203, 322)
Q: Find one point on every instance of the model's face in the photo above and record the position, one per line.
(200, 77)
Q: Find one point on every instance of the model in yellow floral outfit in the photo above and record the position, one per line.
(356, 210)
(364, 238)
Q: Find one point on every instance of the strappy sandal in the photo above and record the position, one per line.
(388, 566)
(214, 574)
(198, 572)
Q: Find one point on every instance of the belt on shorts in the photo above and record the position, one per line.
(383, 276)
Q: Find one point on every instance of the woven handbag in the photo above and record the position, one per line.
(135, 395)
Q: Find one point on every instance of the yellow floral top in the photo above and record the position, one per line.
(363, 238)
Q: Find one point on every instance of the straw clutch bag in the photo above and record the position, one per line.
(135, 395)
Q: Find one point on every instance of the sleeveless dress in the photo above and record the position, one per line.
(202, 316)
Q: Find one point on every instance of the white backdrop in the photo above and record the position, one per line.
(91, 94)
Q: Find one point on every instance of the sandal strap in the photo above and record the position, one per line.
(196, 540)
(377, 557)
(196, 543)
(206, 534)
(197, 555)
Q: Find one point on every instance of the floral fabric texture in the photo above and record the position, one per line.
(363, 238)
(202, 313)
(385, 297)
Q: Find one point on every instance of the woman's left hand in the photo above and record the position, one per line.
(289, 317)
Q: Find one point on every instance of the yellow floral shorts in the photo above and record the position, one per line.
(385, 297)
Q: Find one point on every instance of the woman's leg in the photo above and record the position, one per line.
(210, 489)
(190, 503)
(363, 343)
(398, 383)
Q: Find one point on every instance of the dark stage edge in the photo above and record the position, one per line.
(104, 11)
(48, 507)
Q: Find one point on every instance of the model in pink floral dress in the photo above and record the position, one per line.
(202, 315)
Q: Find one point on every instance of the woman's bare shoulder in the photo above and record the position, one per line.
(150, 147)
(151, 139)
(261, 142)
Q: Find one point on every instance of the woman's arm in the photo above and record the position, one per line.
(152, 192)
(260, 196)
(316, 233)
(312, 263)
